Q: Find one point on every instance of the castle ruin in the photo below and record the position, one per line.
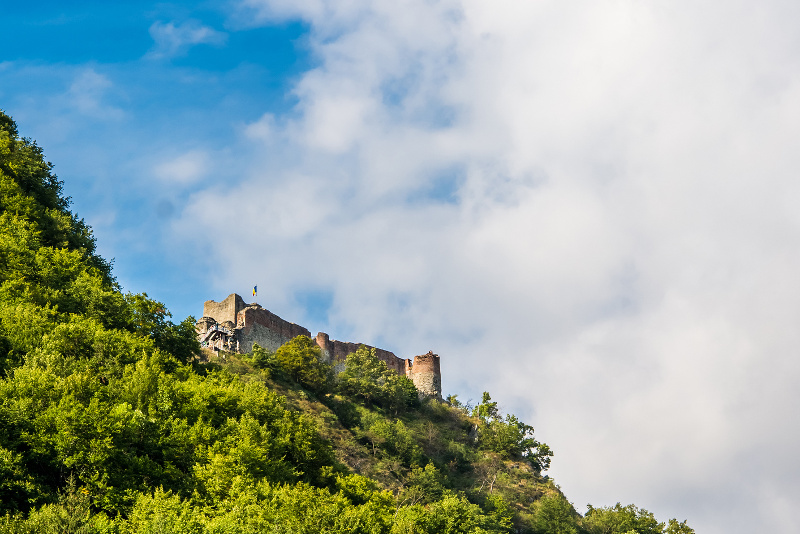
(234, 326)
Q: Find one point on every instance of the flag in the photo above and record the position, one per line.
(255, 291)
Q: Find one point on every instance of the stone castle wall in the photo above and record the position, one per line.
(225, 310)
(335, 352)
(257, 325)
(250, 323)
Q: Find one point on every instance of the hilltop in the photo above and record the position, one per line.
(234, 326)
(114, 419)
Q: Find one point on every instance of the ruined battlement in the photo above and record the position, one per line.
(235, 326)
(335, 352)
(249, 323)
(225, 310)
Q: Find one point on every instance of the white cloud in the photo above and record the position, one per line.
(262, 130)
(173, 39)
(614, 254)
(87, 94)
(185, 169)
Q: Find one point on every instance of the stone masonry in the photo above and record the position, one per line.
(235, 326)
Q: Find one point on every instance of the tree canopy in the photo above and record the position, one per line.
(367, 378)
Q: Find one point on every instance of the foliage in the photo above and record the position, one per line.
(509, 437)
(30, 195)
(675, 527)
(150, 318)
(301, 359)
(261, 358)
(554, 515)
(367, 378)
(394, 439)
(364, 375)
(452, 514)
(619, 519)
(424, 485)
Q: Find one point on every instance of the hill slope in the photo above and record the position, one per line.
(112, 420)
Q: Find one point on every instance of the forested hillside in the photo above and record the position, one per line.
(112, 419)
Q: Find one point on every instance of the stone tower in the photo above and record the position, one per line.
(426, 374)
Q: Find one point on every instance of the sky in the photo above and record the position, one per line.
(589, 209)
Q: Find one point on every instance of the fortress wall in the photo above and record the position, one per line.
(335, 352)
(408, 363)
(323, 340)
(261, 326)
(225, 310)
(398, 365)
(256, 333)
(258, 315)
(254, 324)
(427, 375)
(340, 349)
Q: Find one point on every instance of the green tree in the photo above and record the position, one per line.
(301, 359)
(367, 378)
(30, 192)
(262, 358)
(453, 514)
(675, 527)
(423, 486)
(152, 319)
(554, 515)
(363, 375)
(487, 410)
(620, 519)
(163, 512)
(509, 437)
(399, 393)
(394, 439)
(71, 514)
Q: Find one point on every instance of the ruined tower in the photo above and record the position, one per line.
(426, 374)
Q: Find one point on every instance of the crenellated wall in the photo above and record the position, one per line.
(250, 323)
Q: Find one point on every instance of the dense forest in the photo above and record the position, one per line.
(112, 418)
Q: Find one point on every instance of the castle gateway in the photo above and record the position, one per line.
(234, 326)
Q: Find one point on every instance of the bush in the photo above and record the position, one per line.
(301, 359)
(620, 519)
(509, 437)
(554, 515)
(367, 378)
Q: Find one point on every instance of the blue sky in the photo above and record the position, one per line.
(588, 209)
(107, 88)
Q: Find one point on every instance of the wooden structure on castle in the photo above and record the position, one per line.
(234, 326)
